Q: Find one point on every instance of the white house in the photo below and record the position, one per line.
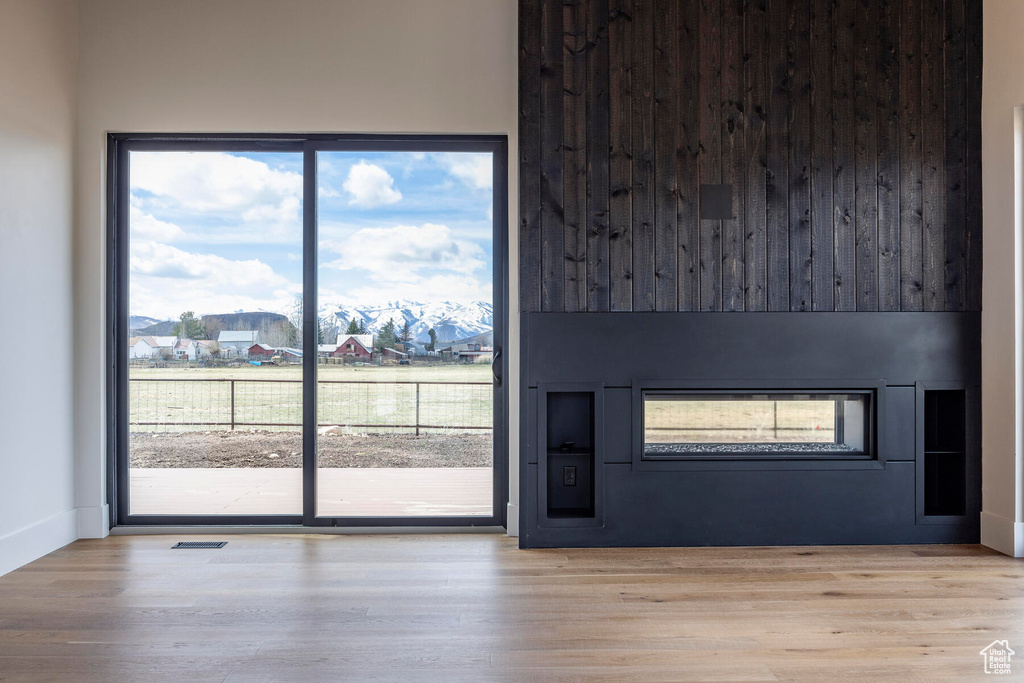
(237, 342)
(186, 349)
(203, 348)
(152, 347)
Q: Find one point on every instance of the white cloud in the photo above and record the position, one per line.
(421, 263)
(398, 253)
(241, 198)
(473, 169)
(464, 288)
(166, 280)
(143, 225)
(370, 185)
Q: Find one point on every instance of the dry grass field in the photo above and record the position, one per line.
(721, 421)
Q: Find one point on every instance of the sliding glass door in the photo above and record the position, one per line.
(406, 319)
(308, 329)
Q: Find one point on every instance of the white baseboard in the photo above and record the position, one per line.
(93, 521)
(1002, 534)
(29, 543)
(512, 521)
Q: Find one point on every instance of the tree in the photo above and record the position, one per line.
(362, 327)
(433, 339)
(406, 334)
(354, 327)
(213, 348)
(190, 327)
(323, 330)
(295, 318)
(292, 335)
(387, 337)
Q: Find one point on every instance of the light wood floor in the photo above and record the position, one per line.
(474, 608)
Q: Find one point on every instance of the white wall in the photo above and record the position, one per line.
(1002, 522)
(37, 128)
(386, 66)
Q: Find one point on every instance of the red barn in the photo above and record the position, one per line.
(356, 346)
(260, 351)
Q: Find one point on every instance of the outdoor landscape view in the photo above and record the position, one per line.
(403, 345)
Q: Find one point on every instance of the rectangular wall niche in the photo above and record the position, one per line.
(570, 454)
(945, 453)
(697, 425)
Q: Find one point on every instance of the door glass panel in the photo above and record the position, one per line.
(214, 367)
(406, 334)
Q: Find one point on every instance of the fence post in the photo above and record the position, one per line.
(775, 409)
(417, 408)
(232, 405)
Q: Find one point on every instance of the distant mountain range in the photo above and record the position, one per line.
(451, 321)
(273, 327)
(138, 322)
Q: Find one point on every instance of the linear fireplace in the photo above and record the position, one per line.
(755, 424)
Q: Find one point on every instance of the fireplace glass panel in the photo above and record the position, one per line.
(783, 424)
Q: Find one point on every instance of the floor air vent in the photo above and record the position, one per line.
(192, 545)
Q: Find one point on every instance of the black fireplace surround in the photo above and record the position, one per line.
(654, 429)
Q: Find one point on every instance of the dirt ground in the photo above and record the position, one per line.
(284, 449)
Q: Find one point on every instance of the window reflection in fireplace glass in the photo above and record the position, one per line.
(740, 424)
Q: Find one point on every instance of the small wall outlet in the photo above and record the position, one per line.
(569, 475)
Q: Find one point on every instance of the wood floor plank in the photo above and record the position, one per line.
(475, 608)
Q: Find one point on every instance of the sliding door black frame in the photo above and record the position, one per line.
(118, 150)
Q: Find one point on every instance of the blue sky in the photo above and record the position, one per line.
(217, 232)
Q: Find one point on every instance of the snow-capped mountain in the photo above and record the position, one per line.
(137, 322)
(451, 321)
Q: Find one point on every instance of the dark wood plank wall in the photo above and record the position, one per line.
(848, 129)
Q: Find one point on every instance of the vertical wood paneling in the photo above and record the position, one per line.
(777, 179)
(597, 104)
(866, 176)
(643, 155)
(574, 152)
(955, 59)
(710, 155)
(620, 248)
(822, 283)
(755, 37)
(888, 154)
(551, 188)
(665, 123)
(933, 156)
(910, 156)
(848, 129)
(972, 221)
(733, 154)
(798, 73)
(687, 155)
(529, 156)
(844, 163)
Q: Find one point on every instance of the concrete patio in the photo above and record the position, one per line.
(360, 492)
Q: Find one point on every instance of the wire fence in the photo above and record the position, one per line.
(166, 405)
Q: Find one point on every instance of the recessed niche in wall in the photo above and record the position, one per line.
(569, 449)
(945, 452)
